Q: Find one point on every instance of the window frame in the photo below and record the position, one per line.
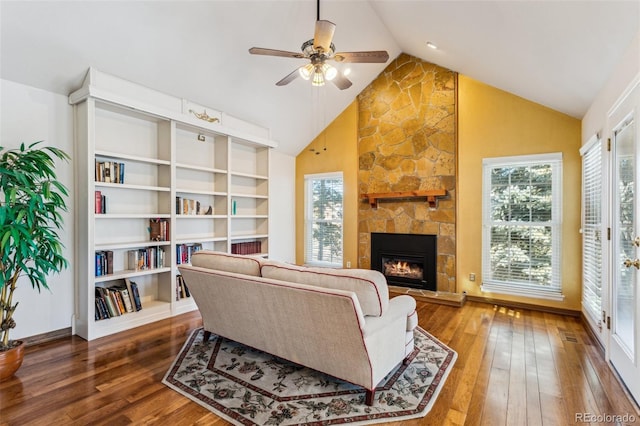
(309, 220)
(592, 251)
(524, 289)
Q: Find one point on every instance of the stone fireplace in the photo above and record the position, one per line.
(407, 143)
(406, 260)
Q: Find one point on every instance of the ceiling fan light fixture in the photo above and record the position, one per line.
(318, 78)
(329, 72)
(306, 71)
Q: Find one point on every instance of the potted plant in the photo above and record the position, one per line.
(31, 202)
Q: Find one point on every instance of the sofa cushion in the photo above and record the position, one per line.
(239, 264)
(369, 286)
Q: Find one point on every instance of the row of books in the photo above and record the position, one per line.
(104, 263)
(185, 251)
(188, 206)
(182, 290)
(109, 172)
(101, 203)
(146, 258)
(159, 229)
(117, 300)
(247, 247)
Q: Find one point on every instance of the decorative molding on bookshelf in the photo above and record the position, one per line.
(431, 196)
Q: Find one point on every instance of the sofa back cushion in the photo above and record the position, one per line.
(369, 286)
(227, 262)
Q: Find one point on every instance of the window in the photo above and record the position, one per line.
(592, 229)
(323, 219)
(522, 225)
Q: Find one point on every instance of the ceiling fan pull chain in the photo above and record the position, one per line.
(318, 14)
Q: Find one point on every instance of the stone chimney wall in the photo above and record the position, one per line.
(407, 141)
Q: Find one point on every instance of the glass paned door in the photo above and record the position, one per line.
(625, 336)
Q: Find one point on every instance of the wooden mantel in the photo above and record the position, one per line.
(429, 194)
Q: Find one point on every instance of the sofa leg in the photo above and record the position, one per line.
(407, 360)
(368, 399)
(206, 336)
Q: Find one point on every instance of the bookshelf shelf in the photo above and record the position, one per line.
(99, 216)
(136, 187)
(131, 245)
(249, 175)
(200, 168)
(118, 156)
(130, 273)
(160, 164)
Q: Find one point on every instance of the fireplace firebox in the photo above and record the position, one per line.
(406, 260)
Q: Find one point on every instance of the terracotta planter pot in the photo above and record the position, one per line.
(10, 361)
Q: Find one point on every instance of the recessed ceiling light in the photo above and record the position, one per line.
(346, 72)
(431, 45)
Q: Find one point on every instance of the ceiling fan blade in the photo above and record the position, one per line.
(274, 52)
(341, 82)
(324, 35)
(371, 56)
(289, 78)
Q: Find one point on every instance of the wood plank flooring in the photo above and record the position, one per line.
(514, 367)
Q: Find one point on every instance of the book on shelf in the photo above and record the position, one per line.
(104, 263)
(159, 229)
(247, 247)
(117, 300)
(100, 203)
(146, 258)
(185, 251)
(182, 291)
(105, 298)
(191, 207)
(109, 172)
(124, 295)
(133, 294)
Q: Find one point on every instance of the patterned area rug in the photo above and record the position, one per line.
(249, 387)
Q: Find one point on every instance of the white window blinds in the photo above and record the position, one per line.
(592, 229)
(522, 225)
(323, 219)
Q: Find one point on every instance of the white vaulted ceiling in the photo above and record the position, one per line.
(556, 53)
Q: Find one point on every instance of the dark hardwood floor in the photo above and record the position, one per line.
(514, 367)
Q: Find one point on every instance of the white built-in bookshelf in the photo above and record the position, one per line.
(203, 184)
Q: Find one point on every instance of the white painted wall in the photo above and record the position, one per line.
(627, 69)
(28, 115)
(282, 192)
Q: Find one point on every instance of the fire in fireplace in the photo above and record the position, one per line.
(407, 260)
(398, 267)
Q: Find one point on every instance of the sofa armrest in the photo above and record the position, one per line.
(400, 307)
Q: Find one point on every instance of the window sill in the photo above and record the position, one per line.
(528, 292)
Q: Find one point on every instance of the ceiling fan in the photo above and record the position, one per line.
(318, 51)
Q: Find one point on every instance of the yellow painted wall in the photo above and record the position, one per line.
(341, 138)
(494, 123)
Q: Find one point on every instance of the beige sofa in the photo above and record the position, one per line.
(338, 321)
